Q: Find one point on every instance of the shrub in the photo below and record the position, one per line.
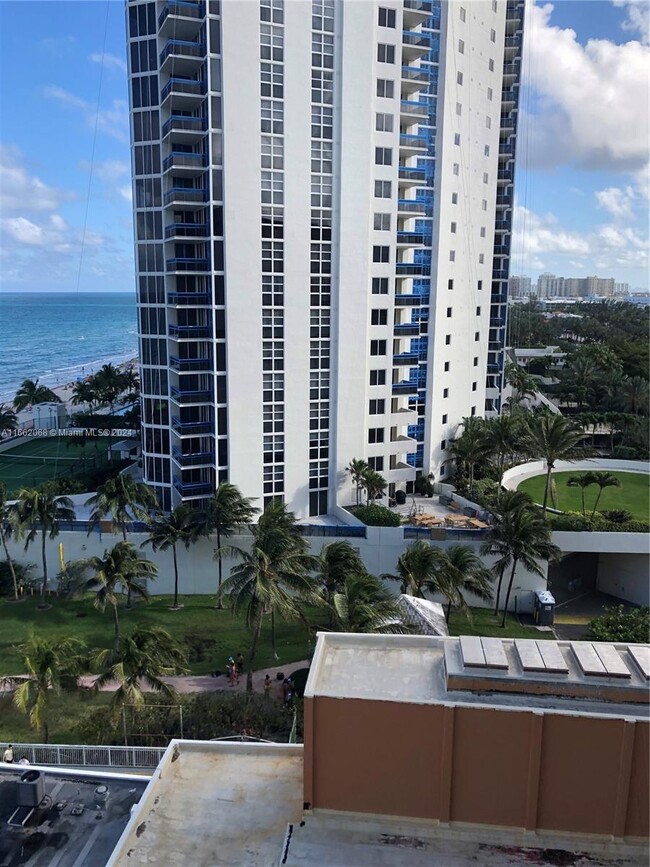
(575, 522)
(617, 516)
(24, 577)
(617, 624)
(375, 515)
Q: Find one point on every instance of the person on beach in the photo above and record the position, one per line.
(240, 662)
(268, 684)
(8, 755)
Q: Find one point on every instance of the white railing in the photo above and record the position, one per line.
(87, 756)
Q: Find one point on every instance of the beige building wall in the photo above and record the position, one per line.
(518, 768)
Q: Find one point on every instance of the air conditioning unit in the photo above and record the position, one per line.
(30, 789)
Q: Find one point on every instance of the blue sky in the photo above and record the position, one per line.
(581, 190)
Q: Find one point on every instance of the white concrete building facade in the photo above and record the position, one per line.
(322, 201)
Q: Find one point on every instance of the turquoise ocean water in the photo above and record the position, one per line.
(59, 337)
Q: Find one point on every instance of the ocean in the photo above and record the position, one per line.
(60, 337)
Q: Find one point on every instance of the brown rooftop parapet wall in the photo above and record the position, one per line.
(514, 767)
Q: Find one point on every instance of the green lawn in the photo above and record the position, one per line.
(485, 623)
(211, 636)
(65, 457)
(65, 712)
(633, 495)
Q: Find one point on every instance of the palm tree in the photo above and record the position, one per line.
(109, 385)
(552, 438)
(470, 446)
(227, 512)
(52, 665)
(6, 528)
(523, 384)
(459, 571)
(635, 394)
(364, 605)
(357, 469)
(416, 565)
(502, 436)
(272, 577)
(84, 393)
(582, 481)
(140, 659)
(335, 562)
(124, 500)
(40, 510)
(8, 419)
(507, 501)
(521, 536)
(119, 567)
(374, 483)
(30, 392)
(181, 527)
(604, 480)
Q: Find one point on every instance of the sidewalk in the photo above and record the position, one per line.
(206, 683)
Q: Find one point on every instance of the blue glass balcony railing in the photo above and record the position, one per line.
(194, 459)
(183, 49)
(189, 299)
(184, 123)
(502, 250)
(193, 489)
(191, 428)
(184, 264)
(184, 86)
(405, 388)
(406, 358)
(182, 8)
(410, 268)
(407, 329)
(190, 364)
(411, 300)
(415, 39)
(502, 225)
(413, 141)
(419, 5)
(182, 160)
(411, 205)
(507, 149)
(186, 230)
(198, 332)
(416, 73)
(412, 174)
(412, 238)
(182, 395)
(185, 194)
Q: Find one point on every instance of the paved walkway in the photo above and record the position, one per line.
(206, 683)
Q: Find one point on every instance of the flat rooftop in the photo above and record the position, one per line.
(71, 827)
(216, 805)
(601, 679)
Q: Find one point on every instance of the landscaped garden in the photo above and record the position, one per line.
(633, 495)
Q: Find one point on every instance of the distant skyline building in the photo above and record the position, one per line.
(322, 225)
(550, 286)
(519, 286)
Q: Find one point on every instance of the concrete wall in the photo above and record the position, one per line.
(513, 477)
(625, 576)
(380, 551)
(544, 770)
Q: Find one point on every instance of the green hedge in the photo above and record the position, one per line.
(576, 522)
(617, 624)
(375, 515)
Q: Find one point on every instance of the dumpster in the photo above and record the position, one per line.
(544, 608)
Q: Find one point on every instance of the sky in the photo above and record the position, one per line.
(581, 192)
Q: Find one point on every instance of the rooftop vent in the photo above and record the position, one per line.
(30, 789)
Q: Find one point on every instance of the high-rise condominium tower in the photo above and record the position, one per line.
(322, 197)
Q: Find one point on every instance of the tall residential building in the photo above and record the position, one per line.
(550, 286)
(519, 287)
(322, 219)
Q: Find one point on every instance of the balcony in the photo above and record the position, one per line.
(185, 196)
(182, 54)
(504, 201)
(190, 365)
(411, 206)
(500, 274)
(502, 250)
(194, 489)
(510, 69)
(506, 150)
(186, 163)
(185, 91)
(412, 239)
(189, 299)
(410, 388)
(512, 42)
(191, 428)
(411, 300)
(499, 299)
(412, 176)
(185, 127)
(415, 44)
(196, 459)
(497, 323)
(407, 329)
(415, 78)
(509, 95)
(406, 359)
(183, 264)
(416, 144)
(186, 230)
(414, 109)
(190, 332)
(404, 416)
(184, 396)
(502, 225)
(180, 19)
(410, 269)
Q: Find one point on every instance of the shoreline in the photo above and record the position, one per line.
(64, 390)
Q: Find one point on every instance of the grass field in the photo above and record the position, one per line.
(633, 495)
(50, 458)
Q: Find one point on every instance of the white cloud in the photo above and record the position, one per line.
(109, 61)
(604, 248)
(638, 17)
(593, 98)
(52, 234)
(112, 120)
(20, 191)
(617, 200)
(126, 192)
